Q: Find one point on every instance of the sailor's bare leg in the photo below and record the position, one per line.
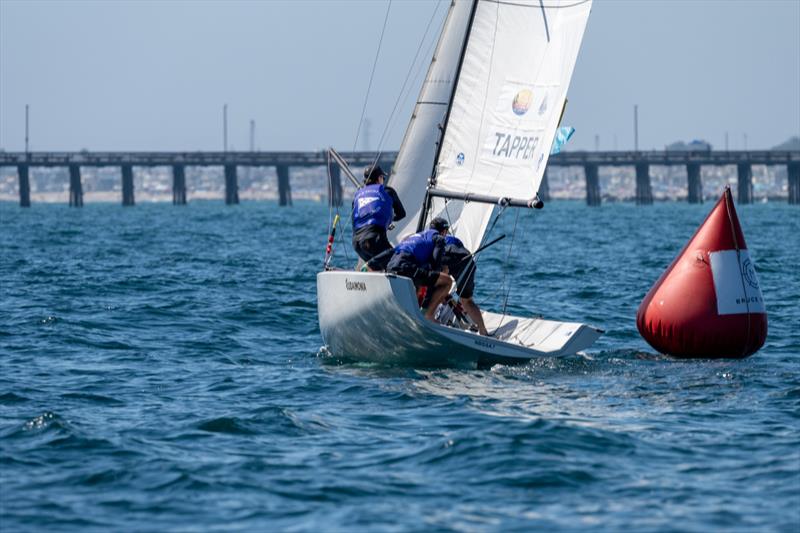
(440, 291)
(474, 312)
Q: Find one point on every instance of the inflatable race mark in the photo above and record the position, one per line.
(708, 303)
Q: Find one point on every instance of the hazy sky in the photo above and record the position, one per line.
(149, 75)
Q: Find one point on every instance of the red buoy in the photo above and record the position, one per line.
(708, 303)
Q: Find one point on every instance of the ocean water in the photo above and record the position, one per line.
(161, 370)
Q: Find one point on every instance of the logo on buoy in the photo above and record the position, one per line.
(750, 273)
(522, 101)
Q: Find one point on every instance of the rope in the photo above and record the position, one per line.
(508, 259)
(405, 83)
(372, 74)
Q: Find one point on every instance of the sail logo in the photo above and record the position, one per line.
(543, 106)
(522, 102)
(460, 159)
(510, 146)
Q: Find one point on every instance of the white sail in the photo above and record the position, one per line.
(415, 160)
(511, 90)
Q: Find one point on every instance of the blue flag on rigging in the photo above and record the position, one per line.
(563, 134)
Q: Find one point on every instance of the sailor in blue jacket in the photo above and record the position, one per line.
(375, 206)
(461, 266)
(419, 257)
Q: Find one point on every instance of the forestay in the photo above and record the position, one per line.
(511, 90)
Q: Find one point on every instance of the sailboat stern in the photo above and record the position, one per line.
(375, 317)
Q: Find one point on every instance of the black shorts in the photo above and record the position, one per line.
(463, 271)
(370, 241)
(404, 264)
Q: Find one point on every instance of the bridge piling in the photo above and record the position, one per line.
(231, 185)
(24, 185)
(75, 186)
(695, 185)
(335, 185)
(284, 187)
(592, 185)
(178, 185)
(544, 188)
(644, 191)
(127, 186)
(745, 174)
(793, 173)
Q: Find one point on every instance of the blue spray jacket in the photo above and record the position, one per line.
(372, 205)
(426, 247)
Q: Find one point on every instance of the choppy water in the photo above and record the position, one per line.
(159, 370)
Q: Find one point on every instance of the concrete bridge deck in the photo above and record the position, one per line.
(283, 161)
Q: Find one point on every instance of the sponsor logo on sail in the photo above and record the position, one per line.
(522, 102)
(512, 146)
(460, 159)
(543, 106)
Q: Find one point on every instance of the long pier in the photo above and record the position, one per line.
(284, 161)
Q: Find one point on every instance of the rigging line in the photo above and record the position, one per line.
(330, 191)
(341, 238)
(432, 181)
(330, 210)
(447, 212)
(405, 82)
(420, 69)
(550, 6)
(372, 74)
(508, 258)
(544, 17)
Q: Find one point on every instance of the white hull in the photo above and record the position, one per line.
(375, 317)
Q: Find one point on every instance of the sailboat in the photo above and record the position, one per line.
(479, 137)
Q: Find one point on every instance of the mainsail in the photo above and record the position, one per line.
(505, 109)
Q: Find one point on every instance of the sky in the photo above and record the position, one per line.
(154, 75)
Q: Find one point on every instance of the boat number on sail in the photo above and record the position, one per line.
(355, 285)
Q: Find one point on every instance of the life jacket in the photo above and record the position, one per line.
(455, 254)
(372, 205)
(449, 240)
(420, 245)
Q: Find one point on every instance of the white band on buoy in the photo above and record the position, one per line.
(736, 283)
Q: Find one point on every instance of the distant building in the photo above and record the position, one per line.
(692, 146)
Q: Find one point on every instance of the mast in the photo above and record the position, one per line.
(426, 203)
